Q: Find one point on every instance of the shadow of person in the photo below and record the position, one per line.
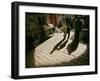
(83, 59)
(63, 45)
(64, 38)
(73, 46)
(60, 43)
(57, 45)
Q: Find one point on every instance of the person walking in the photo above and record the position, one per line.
(77, 24)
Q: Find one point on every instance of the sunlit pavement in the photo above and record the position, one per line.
(42, 56)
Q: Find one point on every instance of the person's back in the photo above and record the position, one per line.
(77, 26)
(74, 44)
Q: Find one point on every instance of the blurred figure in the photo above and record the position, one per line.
(77, 24)
(67, 32)
(66, 29)
(84, 35)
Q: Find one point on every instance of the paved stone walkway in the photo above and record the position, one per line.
(40, 56)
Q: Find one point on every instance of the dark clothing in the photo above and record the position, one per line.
(68, 29)
(67, 32)
(74, 44)
(78, 26)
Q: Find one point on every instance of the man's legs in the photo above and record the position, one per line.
(68, 35)
(64, 36)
